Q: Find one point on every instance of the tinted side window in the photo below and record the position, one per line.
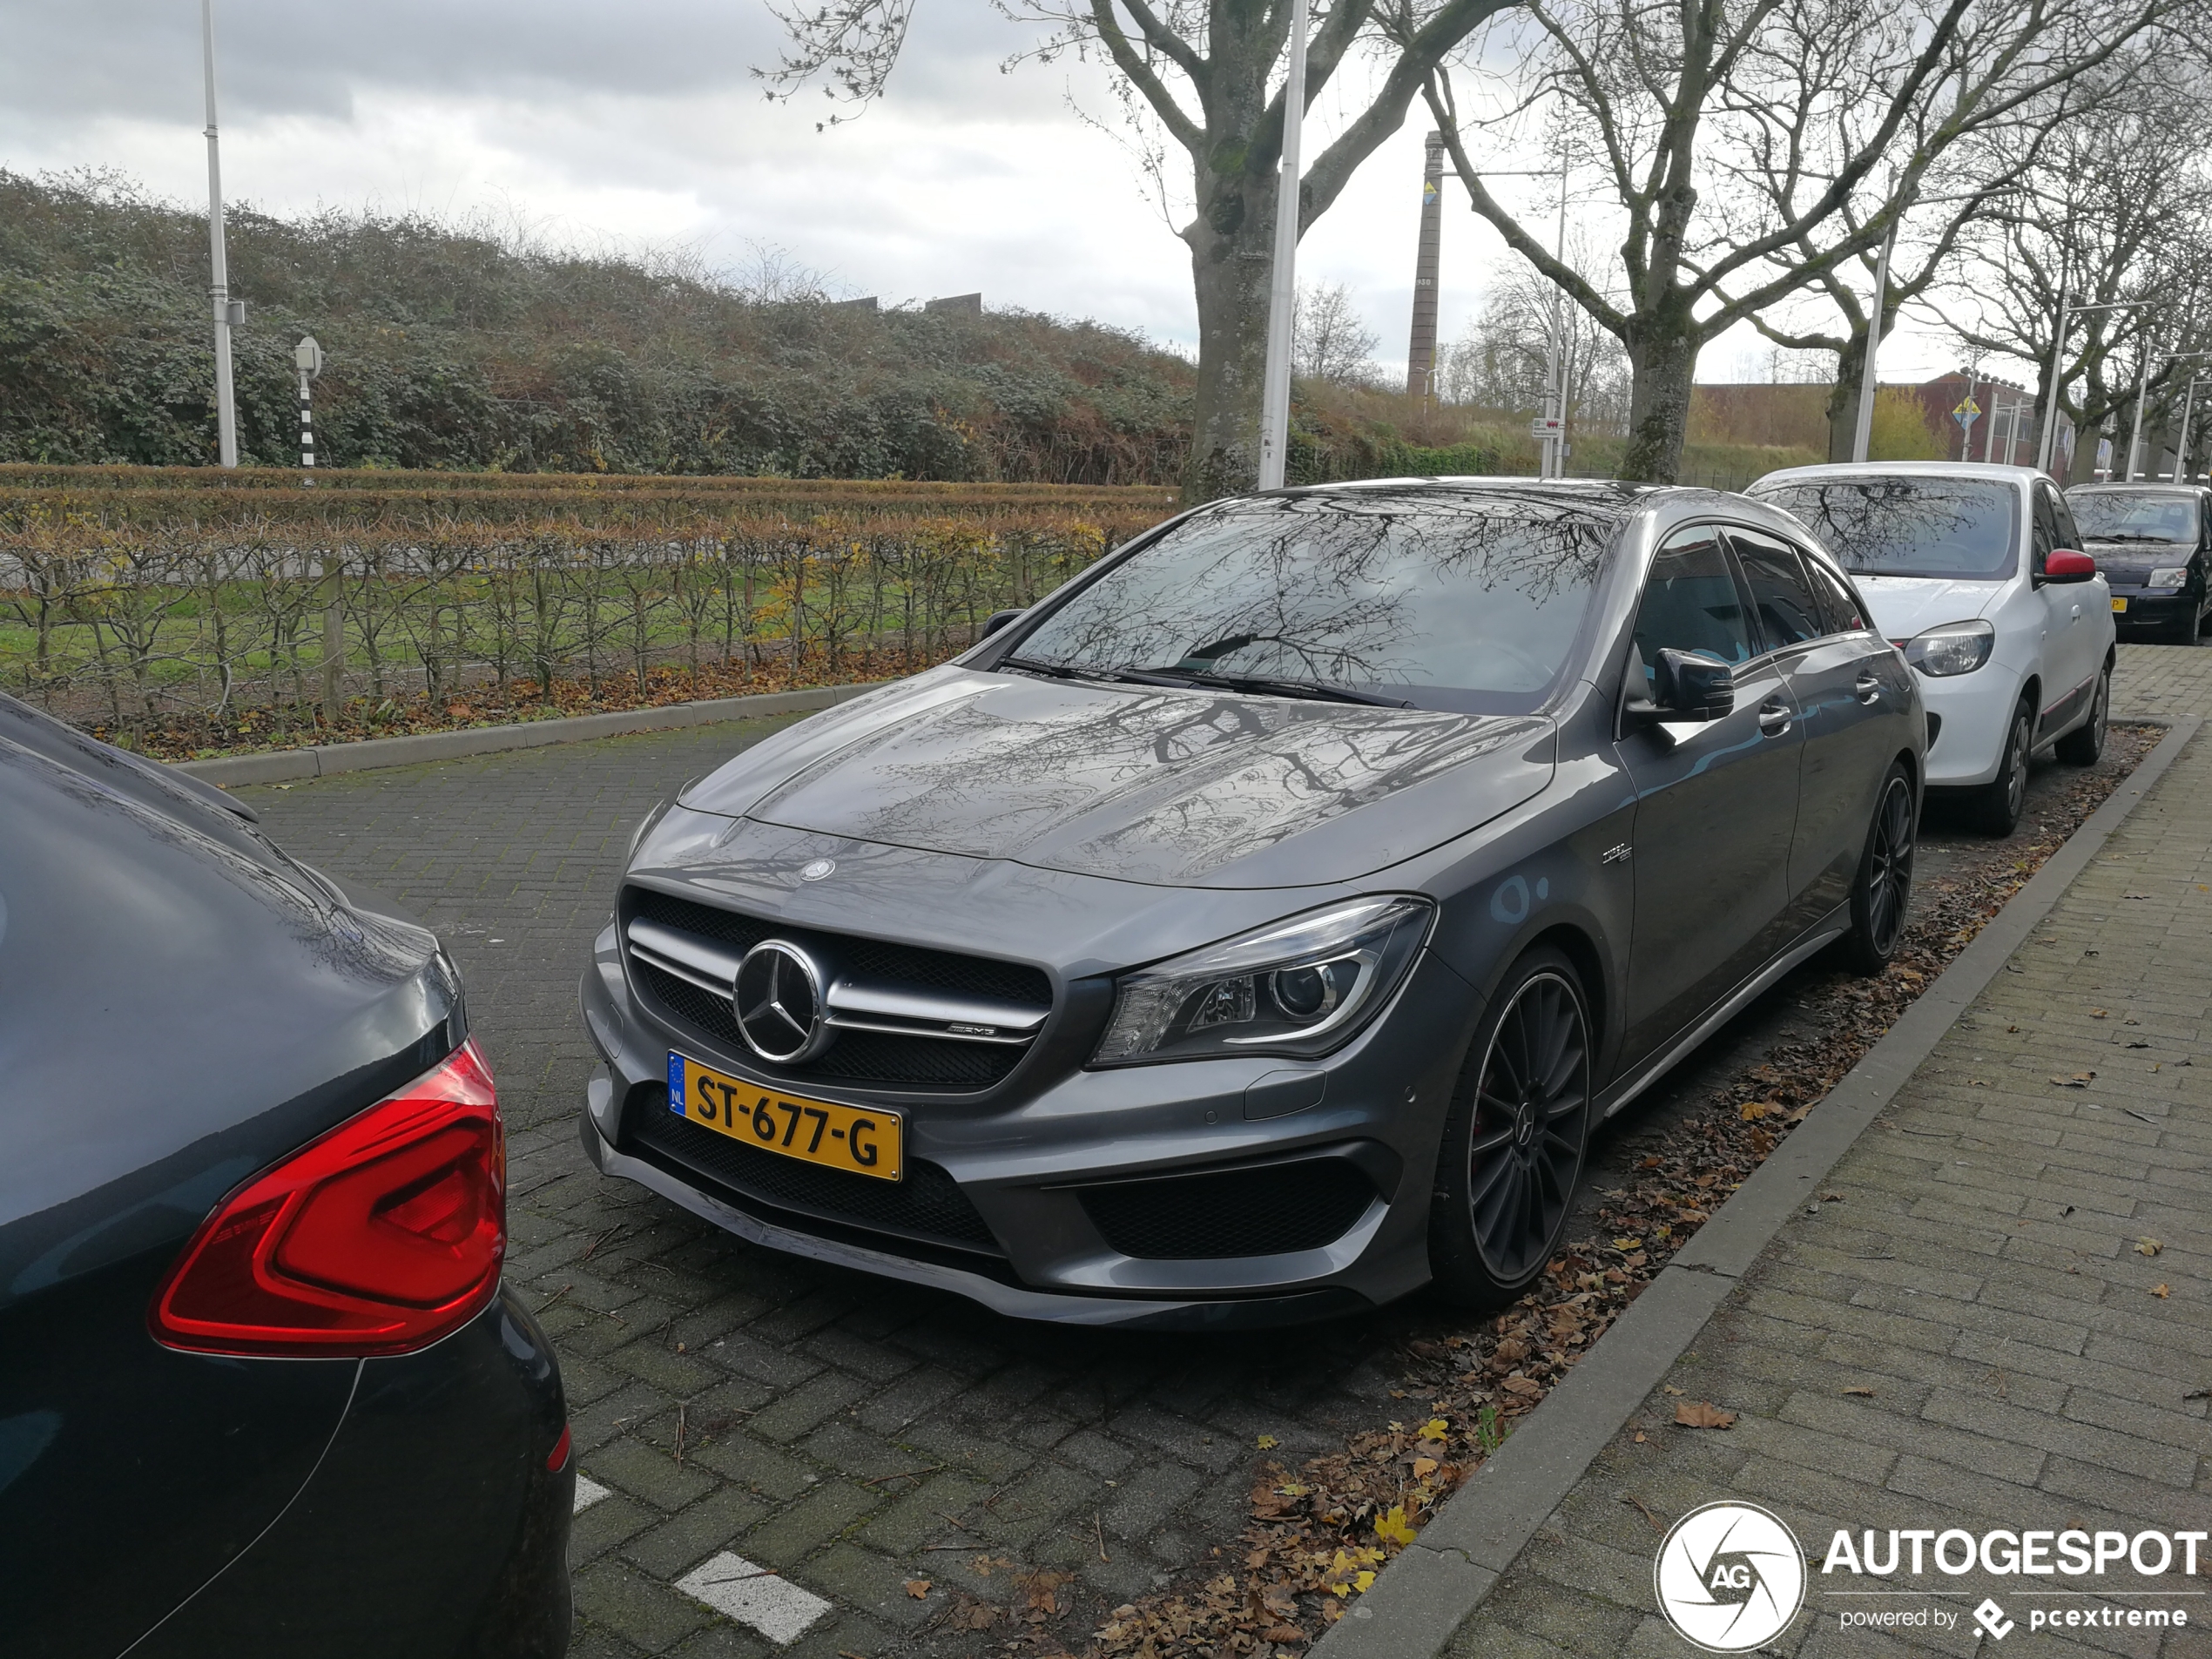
(2069, 532)
(2045, 524)
(1837, 604)
(1691, 601)
(1788, 613)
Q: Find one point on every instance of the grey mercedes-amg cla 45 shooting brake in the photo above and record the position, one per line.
(1257, 928)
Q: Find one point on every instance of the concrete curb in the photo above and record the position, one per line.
(1428, 1590)
(282, 765)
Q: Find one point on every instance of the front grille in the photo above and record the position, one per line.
(939, 970)
(928, 1206)
(875, 1059)
(1265, 1211)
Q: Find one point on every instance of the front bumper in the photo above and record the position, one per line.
(1975, 710)
(2158, 608)
(1030, 1155)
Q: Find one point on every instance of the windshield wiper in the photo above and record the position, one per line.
(2132, 535)
(1315, 691)
(1063, 672)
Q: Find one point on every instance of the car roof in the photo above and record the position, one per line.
(2167, 487)
(1843, 470)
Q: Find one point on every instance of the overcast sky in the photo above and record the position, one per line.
(640, 123)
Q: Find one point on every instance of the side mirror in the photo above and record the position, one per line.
(1684, 687)
(1692, 687)
(995, 620)
(2063, 564)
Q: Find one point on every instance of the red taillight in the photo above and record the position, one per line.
(379, 1238)
(558, 1458)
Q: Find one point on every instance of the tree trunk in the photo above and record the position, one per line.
(1843, 400)
(1231, 265)
(1663, 358)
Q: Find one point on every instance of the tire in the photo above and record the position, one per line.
(1514, 1137)
(1883, 886)
(2082, 745)
(1995, 807)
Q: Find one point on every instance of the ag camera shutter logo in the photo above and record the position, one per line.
(1729, 1577)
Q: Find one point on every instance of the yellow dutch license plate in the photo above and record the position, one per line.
(2120, 604)
(855, 1138)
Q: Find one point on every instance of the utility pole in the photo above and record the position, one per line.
(1555, 371)
(1420, 350)
(229, 312)
(1282, 304)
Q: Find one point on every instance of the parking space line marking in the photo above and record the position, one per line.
(588, 1492)
(754, 1596)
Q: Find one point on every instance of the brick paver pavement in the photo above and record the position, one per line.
(1965, 1331)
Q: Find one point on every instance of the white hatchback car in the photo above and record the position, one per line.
(1974, 573)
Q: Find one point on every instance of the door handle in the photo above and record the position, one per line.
(1869, 689)
(2075, 614)
(1774, 718)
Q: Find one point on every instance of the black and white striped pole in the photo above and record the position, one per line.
(308, 357)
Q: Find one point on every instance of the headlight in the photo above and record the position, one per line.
(2177, 576)
(1301, 985)
(1955, 648)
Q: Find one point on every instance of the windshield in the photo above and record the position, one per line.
(1964, 528)
(1466, 603)
(2134, 516)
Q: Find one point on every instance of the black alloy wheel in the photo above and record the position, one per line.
(1514, 1139)
(1996, 806)
(2084, 744)
(1884, 888)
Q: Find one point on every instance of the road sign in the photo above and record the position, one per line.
(1545, 426)
(1967, 411)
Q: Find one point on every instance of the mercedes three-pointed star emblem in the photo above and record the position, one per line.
(778, 997)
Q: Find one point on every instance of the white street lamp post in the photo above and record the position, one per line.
(1869, 381)
(228, 313)
(2067, 312)
(1282, 304)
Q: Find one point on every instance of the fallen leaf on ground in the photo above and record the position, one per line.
(1394, 1528)
(2080, 1079)
(1423, 1467)
(1669, 1388)
(1699, 1414)
(2160, 1291)
(1755, 1109)
(1268, 1442)
(2100, 1014)
(2148, 1247)
(1864, 1394)
(1435, 1429)
(917, 1587)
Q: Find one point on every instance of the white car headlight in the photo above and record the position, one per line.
(1955, 648)
(2176, 577)
(1302, 985)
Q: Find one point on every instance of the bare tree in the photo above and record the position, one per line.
(1501, 362)
(2117, 213)
(1735, 134)
(1205, 70)
(1329, 342)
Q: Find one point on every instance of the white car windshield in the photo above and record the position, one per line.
(2134, 516)
(1962, 529)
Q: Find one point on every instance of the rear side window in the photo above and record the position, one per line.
(1837, 604)
(1781, 595)
(1691, 601)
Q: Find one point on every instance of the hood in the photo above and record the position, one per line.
(1138, 783)
(1906, 605)
(2132, 561)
